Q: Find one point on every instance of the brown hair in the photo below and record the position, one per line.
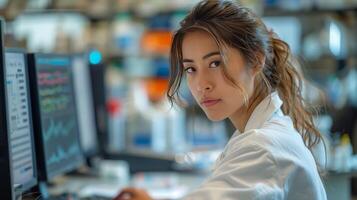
(231, 24)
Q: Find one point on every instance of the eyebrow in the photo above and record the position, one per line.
(204, 57)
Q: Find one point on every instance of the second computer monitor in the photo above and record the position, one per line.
(56, 124)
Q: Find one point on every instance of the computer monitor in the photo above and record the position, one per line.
(54, 114)
(6, 183)
(97, 73)
(19, 121)
(85, 105)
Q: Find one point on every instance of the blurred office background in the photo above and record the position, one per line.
(130, 41)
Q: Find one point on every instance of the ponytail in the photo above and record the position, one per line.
(289, 86)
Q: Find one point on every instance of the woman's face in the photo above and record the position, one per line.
(204, 74)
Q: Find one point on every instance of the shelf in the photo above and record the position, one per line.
(141, 160)
(111, 15)
(313, 11)
(121, 56)
(148, 154)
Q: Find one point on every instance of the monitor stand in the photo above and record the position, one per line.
(91, 169)
(45, 194)
(43, 189)
(18, 192)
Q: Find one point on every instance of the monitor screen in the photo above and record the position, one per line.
(85, 105)
(55, 115)
(19, 121)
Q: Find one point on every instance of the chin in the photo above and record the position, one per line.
(215, 117)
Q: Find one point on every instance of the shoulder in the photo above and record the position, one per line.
(275, 135)
(277, 139)
(281, 156)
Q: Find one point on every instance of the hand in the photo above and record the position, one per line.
(133, 194)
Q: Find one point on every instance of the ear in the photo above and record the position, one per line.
(258, 67)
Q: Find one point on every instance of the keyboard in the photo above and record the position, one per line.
(96, 197)
(75, 197)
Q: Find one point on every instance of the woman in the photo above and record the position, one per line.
(236, 68)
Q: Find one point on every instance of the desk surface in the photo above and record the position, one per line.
(172, 185)
(352, 173)
(160, 185)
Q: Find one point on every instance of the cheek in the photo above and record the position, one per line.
(244, 80)
(191, 86)
(236, 96)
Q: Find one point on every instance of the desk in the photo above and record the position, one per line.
(85, 186)
(338, 185)
(181, 184)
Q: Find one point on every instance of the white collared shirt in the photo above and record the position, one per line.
(268, 161)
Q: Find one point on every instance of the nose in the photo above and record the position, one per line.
(203, 84)
(205, 88)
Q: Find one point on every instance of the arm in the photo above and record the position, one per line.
(247, 172)
(133, 194)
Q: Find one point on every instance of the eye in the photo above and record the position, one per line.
(189, 70)
(215, 64)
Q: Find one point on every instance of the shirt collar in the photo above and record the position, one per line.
(263, 112)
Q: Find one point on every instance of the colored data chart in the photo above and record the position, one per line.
(58, 114)
(54, 91)
(62, 154)
(59, 129)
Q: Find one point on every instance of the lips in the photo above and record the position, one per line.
(210, 102)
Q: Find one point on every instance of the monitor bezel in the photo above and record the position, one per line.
(44, 173)
(6, 182)
(93, 151)
(34, 181)
(99, 101)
